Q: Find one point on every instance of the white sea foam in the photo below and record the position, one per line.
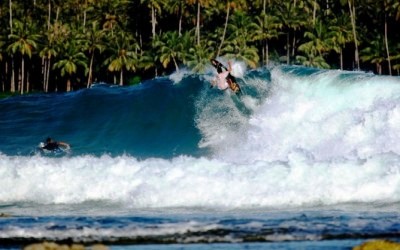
(96, 232)
(301, 180)
(177, 76)
(323, 116)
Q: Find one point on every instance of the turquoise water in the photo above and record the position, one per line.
(304, 159)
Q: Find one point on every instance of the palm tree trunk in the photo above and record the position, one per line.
(89, 82)
(11, 17)
(12, 58)
(287, 48)
(198, 22)
(68, 85)
(13, 89)
(121, 77)
(153, 22)
(49, 17)
(180, 19)
(379, 68)
(263, 49)
(6, 72)
(22, 72)
(314, 11)
(57, 13)
(353, 23)
(28, 84)
(3, 87)
(294, 44)
(48, 74)
(226, 25)
(266, 52)
(341, 59)
(176, 65)
(387, 47)
(44, 70)
(84, 16)
(264, 6)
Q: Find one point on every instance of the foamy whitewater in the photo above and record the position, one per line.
(303, 156)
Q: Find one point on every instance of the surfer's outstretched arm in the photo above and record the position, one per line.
(64, 144)
(229, 66)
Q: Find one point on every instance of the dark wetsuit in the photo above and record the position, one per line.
(51, 146)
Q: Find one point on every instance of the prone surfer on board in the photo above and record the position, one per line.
(224, 78)
(52, 145)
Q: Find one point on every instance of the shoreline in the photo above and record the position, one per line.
(355, 244)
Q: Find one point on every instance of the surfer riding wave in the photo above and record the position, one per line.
(224, 78)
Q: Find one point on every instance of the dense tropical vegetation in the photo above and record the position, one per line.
(61, 45)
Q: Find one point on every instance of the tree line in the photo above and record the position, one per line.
(61, 45)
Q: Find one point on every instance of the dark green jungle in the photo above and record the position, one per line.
(64, 45)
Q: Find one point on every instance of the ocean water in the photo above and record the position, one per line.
(303, 159)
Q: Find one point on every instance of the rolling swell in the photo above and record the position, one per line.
(163, 117)
(151, 119)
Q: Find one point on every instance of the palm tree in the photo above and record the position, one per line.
(148, 60)
(312, 60)
(396, 59)
(199, 4)
(11, 15)
(23, 42)
(230, 4)
(1, 59)
(199, 57)
(111, 13)
(291, 18)
(94, 38)
(2, 43)
(391, 8)
(237, 44)
(375, 53)
(154, 5)
(264, 29)
(340, 29)
(176, 7)
(318, 40)
(310, 7)
(47, 53)
(70, 61)
(319, 43)
(186, 41)
(170, 48)
(54, 42)
(352, 11)
(87, 7)
(123, 55)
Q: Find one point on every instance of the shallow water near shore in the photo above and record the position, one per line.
(303, 159)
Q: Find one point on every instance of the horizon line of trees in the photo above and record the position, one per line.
(56, 45)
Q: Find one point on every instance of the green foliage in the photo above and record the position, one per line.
(134, 80)
(98, 40)
(23, 41)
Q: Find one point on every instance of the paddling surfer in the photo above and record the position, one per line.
(52, 145)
